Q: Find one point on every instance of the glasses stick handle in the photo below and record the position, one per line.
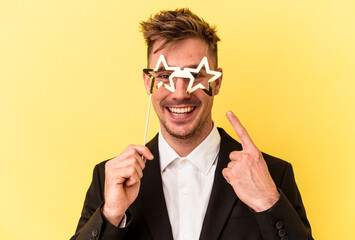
(147, 121)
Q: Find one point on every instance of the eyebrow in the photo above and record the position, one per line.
(191, 66)
(162, 68)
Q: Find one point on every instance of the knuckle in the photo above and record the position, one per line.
(130, 146)
(131, 161)
(244, 132)
(132, 181)
(109, 162)
(231, 164)
(258, 155)
(226, 172)
(245, 157)
(233, 155)
(131, 171)
(108, 167)
(234, 171)
(131, 152)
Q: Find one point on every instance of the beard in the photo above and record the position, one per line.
(189, 133)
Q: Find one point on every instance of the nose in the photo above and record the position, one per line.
(181, 88)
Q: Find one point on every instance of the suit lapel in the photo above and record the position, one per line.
(152, 201)
(222, 197)
(222, 200)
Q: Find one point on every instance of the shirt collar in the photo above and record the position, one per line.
(203, 156)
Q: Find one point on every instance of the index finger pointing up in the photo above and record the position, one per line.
(243, 135)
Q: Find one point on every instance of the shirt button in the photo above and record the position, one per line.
(185, 190)
(183, 162)
(187, 235)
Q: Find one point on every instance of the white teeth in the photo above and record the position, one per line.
(181, 111)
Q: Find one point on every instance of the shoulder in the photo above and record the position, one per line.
(98, 177)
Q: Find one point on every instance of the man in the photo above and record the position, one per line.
(192, 181)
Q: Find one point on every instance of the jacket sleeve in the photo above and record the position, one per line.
(92, 223)
(287, 219)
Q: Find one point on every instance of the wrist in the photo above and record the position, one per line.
(113, 216)
(267, 203)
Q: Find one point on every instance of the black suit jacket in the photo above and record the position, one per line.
(226, 217)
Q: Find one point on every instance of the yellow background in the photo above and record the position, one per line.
(71, 96)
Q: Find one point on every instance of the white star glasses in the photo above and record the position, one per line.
(200, 77)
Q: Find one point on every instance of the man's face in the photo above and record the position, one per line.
(183, 115)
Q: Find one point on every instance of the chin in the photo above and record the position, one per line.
(180, 133)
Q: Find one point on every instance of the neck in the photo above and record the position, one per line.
(185, 146)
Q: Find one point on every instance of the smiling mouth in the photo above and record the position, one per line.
(180, 111)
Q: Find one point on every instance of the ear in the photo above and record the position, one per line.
(217, 83)
(146, 80)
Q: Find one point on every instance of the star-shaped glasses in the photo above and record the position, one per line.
(199, 77)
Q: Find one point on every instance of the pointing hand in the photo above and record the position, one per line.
(248, 174)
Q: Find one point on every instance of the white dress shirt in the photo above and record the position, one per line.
(187, 184)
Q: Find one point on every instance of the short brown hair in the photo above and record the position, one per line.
(180, 24)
